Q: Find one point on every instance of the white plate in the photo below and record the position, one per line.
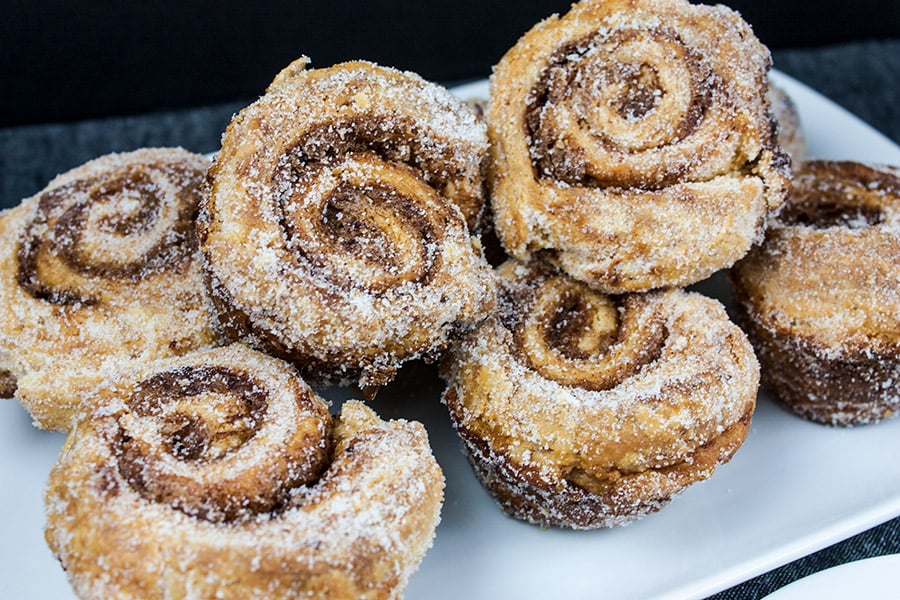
(873, 579)
(793, 488)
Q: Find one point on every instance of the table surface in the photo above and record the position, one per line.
(862, 77)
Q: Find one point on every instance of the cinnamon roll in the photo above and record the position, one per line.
(101, 270)
(335, 221)
(790, 131)
(820, 298)
(632, 143)
(582, 410)
(221, 475)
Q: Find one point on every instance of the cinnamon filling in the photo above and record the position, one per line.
(572, 329)
(362, 200)
(391, 235)
(840, 194)
(202, 414)
(641, 93)
(397, 140)
(187, 435)
(584, 75)
(578, 337)
(130, 206)
(8, 384)
(828, 213)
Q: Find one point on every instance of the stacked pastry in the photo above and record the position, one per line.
(629, 157)
(630, 149)
(585, 410)
(333, 232)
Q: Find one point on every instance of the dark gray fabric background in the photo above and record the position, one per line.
(62, 60)
(864, 77)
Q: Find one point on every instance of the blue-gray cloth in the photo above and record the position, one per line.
(864, 78)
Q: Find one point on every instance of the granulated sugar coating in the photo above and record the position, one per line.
(100, 272)
(335, 221)
(820, 298)
(632, 143)
(583, 411)
(221, 475)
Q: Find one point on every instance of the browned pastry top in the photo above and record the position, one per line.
(827, 272)
(628, 147)
(221, 474)
(628, 398)
(334, 220)
(101, 267)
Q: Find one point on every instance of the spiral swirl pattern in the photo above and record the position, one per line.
(634, 106)
(383, 228)
(335, 224)
(202, 439)
(820, 297)
(578, 337)
(223, 471)
(583, 410)
(127, 224)
(102, 267)
(626, 147)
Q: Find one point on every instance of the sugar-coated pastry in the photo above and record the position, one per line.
(820, 298)
(790, 131)
(100, 271)
(335, 223)
(220, 474)
(632, 143)
(583, 410)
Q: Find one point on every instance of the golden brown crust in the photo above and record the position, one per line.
(272, 501)
(819, 298)
(627, 149)
(100, 271)
(333, 221)
(581, 410)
